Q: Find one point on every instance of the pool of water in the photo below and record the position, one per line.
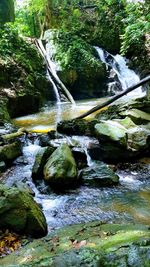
(51, 114)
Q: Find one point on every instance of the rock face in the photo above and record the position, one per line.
(40, 160)
(91, 81)
(20, 213)
(10, 151)
(99, 174)
(90, 245)
(23, 82)
(61, 170)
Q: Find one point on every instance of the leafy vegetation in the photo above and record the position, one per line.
(12, 45)
(71, 49)
(137, 25)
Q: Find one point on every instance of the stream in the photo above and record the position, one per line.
(127, 202)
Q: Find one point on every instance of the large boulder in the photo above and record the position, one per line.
(40, 160)
(122, 139)
(60, 170)
(90, 80)
(111, 131)
(99, 174)
(139, 138)
(10, 151)
(20, 213)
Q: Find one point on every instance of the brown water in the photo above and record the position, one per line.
(47, 119)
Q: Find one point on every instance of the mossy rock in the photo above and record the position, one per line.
(111, 131)
(20, 213)
(40, 160)
(137, 116)
(91, 245)
(10, 151)
(60, 170)
(77, 127)
(99, 174)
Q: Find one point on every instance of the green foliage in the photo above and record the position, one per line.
(137, 25)
(73, 52)
(12, 45)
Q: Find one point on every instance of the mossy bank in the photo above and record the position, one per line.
(23, 83)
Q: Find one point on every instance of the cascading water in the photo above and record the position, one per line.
(126, 76)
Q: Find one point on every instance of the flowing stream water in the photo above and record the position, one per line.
(127, 202)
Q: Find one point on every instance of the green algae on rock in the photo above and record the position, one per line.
(91, 245)
(99, 174)
(60, 169)
(20, 213)
(10, 151)
(40, 160)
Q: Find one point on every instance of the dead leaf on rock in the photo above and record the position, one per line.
(78, 244)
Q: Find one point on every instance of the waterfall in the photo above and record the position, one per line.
(54, 88)
(126, 76)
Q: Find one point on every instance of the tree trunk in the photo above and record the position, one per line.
(52, 73)
(114, 98)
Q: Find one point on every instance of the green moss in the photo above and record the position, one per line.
(22, 75)
(11, 151)
(105, 245)
(61, 170)
(20, 213)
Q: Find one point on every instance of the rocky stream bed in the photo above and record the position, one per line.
(91, 182)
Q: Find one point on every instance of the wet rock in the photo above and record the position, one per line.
(20, 213)
(118, 109)
(138, 139)
(60, 170)
(112, 112)
(137, 116)
(10, 151)
(2, 166)
(72, 127)
(127, 123)
(40, 160)
(80, 157)
(76, 127)
(99, 174)
(91, 244)
(111, 131)
(120, 142)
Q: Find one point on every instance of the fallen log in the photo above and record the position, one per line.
(20, 132)
(114, 98)
(52, 72)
